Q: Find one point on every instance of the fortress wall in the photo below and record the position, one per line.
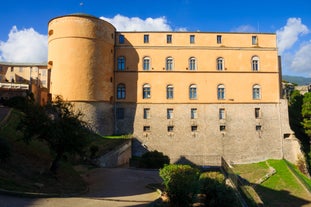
(240, 142)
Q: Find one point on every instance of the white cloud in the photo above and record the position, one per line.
(289, 34)
(25, 45)
(123, 23)
(244, 28)
(301, 61)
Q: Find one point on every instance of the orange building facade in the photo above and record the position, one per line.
(191, 95)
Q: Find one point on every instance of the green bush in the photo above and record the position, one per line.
(5, 149)
(181, 183)
(153, 160)
(213, 185)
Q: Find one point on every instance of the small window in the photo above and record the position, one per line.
(194, 128)
(169, 92)
(192, 39)
(220, 63)
(146, 38)
(169, 113)
(146, 113)
(256, 92)
(121, 63)
(194, 113)
(257, 113)
(169, 63)
(219, 39)
(258, 127)
(120, 113)
(146, 63)
(255, 63)
(254, 40)
(121, 91)
(146, 91)
(192, 63)
(193, 91)
(222, 114)
(169, 38)
(221, 92)
(121, 39)
(222, 128)
(146, 128)
(170, 128)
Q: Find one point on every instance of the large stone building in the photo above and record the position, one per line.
(191, 95)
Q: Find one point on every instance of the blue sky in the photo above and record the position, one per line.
(23, 25)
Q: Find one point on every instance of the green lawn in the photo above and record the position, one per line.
(281, 189)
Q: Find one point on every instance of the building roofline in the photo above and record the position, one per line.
(200, 32)
(22, 64)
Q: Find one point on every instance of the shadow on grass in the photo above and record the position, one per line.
(280, 198)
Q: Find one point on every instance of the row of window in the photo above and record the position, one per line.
(193, 113)
(194, 128)
(221, 91)
(169, 39)
(192, 63)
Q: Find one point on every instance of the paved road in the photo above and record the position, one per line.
(109, 187)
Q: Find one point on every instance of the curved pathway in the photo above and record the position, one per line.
(111, 187)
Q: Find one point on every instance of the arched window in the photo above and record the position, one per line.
(255, 63)
(121, 91)
(121, 63)
(169, 92)
(220, 63)
(169, 63)
(256, 92)
(220, 92)
(193, 91)
(146, 91)
(192, 63)
(146, 63)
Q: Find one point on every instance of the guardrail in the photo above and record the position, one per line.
(14, 86)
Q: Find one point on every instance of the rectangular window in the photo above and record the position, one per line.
(121, 39)
(146, 113)
(146, 128)
(194, 128)
(257, 113)
(169, 92)
(222, 128)
(120, 113)
(170, 128)
(194, 113)
(169, 113)
(254, 40)
(222, 113)
(192, 39)
(258, 127)
(121, 63)
(168, 38)
(146, 38)
(219, 39)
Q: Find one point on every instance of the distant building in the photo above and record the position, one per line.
(19, 78)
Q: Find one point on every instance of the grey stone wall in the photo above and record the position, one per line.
(100, 116)
(240, 142)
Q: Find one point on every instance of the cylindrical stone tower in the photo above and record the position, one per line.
(81, 58)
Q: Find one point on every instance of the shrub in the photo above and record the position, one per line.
(5, 149)
(181, 183)
(154, 160)
(217, 192)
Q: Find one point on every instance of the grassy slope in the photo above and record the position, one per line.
(281, 189)
(28, 167)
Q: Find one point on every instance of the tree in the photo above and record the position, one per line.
(306, 113)
(58, 125)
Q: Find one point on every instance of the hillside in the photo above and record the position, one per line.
(299, 80)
